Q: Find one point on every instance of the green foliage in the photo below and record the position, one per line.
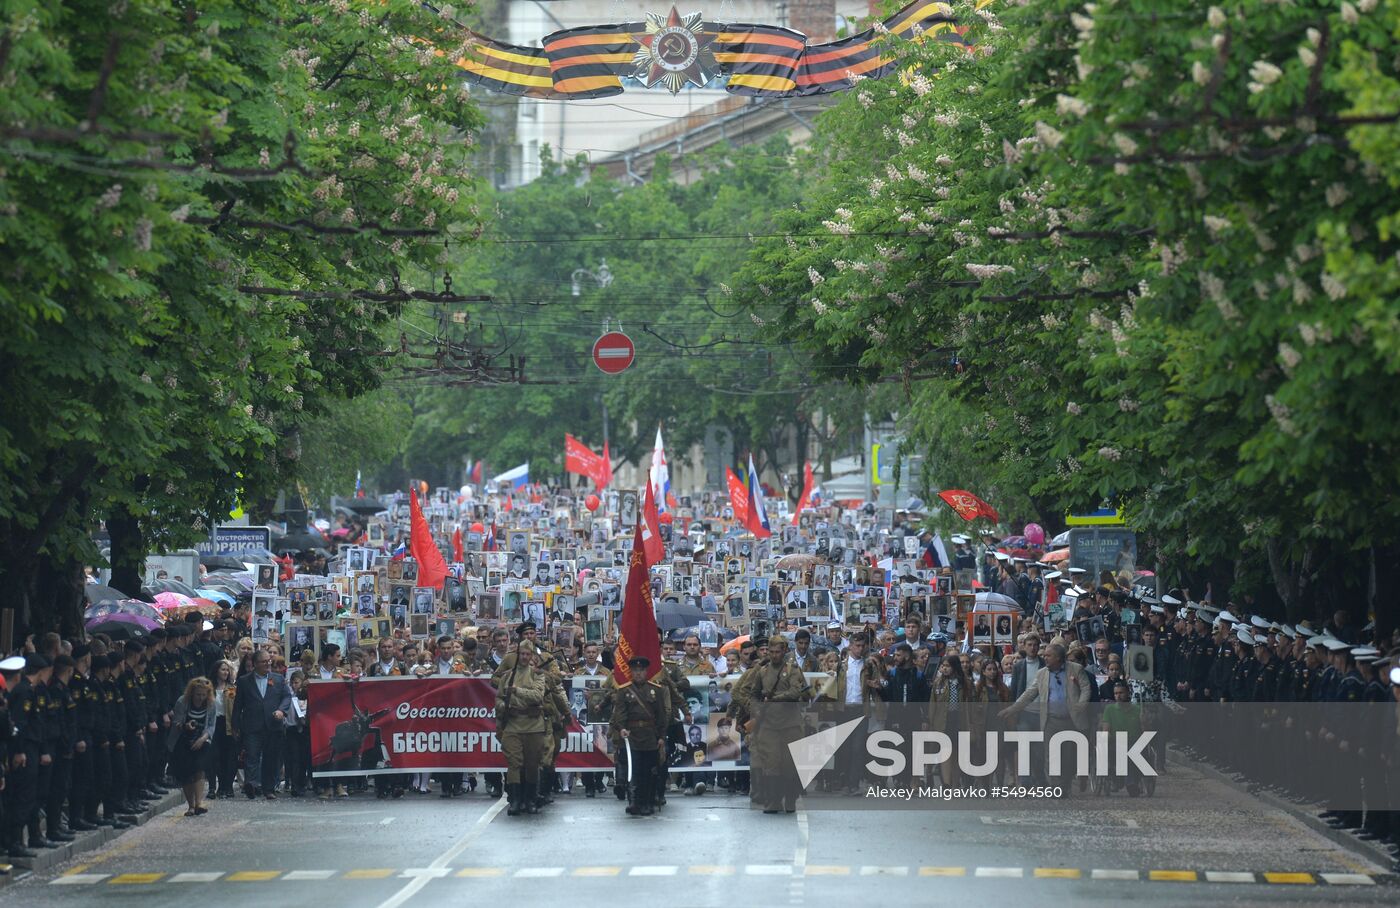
(1138, 255)
(142, 378)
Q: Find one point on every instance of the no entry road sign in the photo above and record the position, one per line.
(613, 352)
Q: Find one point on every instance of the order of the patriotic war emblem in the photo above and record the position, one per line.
(674, 52)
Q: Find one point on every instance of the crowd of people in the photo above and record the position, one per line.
(100, 727)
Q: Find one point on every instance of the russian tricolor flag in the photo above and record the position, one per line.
(517, 477)
(758, 514)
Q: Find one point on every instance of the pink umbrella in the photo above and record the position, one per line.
(149, 624)
(168, 601)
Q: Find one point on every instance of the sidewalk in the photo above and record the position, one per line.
(85, 842)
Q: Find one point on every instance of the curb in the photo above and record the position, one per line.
(1307, 814)
(86, 841)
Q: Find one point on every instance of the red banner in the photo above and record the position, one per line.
(432, 570)
(582, 460)
(738, 498)
(373, 726)
(967, 505)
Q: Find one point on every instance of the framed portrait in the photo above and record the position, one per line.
(593, 630)
(1002, 630)
(628, 509)
(264, 604)
(298, 638)
(366, 582)
(512, 605)
(398, 616)
(420, 625)
(423, 597)
(565, 605)
(488, 606)
(410, 570)
(369, 630)
(267, 577)
(365, 605)
(445, 627)
(394, 570)
(519, 543)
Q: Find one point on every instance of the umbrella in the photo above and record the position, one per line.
(221, 562)
(798, 560)
(298, 542)
(1060, 540)
(167, 585)
(1056, 557)
(207, 608)
(733, 645)
(670, 615)
(169, 601)
(123, 606)
(217, 596)
(140, 621)
(118, 630)
(996, 602)
(96, 592)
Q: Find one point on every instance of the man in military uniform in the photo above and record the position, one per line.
(82, 799)
(555, 706)
(678, 686)
(775, 681)
(640, 716)
(522, 726)
(63, 716)
(26, 753)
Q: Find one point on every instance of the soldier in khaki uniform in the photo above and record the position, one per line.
(639, 718)
(678, 686)
(522, 726)
(775, 680)
(556, 707)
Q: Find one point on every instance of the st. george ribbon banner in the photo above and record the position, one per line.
(673, 51)
(376, 726)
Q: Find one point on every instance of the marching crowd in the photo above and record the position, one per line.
(99, 728)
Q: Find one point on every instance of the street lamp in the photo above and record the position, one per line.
(603, 276)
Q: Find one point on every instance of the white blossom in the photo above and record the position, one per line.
(1336, 194)
(1068, 105)
(1314, 36)
(1112, 454)
(111, 197)
(1126, 146)
(1307, 56)
(1048, 135)
(1334, 288)
(1200, 73)
(1215, 224)
(1289, 355)
(1127, 405)
(1215, 16)
(987, 272)
(1349, 14)
(814, 276)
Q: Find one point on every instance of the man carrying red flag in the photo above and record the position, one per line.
(641, 706)
(651, 530)
(432, 570)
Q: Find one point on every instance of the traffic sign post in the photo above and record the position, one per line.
(613, 352)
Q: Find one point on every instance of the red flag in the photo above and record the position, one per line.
(651, 529)
(607, 468)
(738, 497)
(475, 477)
(581, 460)
(457, 555)
(967, 505)
(636, 629)
(431, 568)
(806, 491)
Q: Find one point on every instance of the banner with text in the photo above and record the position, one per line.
(373, 726)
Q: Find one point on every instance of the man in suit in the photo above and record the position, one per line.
(1062, 689)
(260, 705)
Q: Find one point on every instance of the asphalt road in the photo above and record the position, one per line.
(713, 850)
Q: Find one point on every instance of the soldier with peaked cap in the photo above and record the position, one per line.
(522, 727)
(775, 681)
(641, 713)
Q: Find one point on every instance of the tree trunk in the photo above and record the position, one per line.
(128, 556)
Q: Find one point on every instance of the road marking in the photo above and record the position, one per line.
(710, 870)
(432, 873)
(78, 879)
(253, 876)
(669, 870)
(309, 875)
(1228, 876)
(196, 877)
(1348, 879)
(475, 872)
(1000, 872)
(471, 835)
(134, 879)
(73, 871)
(597, 871)
(375, 873)
(1113, 875)
(884, 871)
(386, 821)
(1172, 876)
(767, 869)
(1289, 878)
(1056, 873)
(827, 870)
(942, 871)
(534, 873)
(797, 891)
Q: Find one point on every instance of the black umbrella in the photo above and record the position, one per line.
(222, 563)
(368, 506)
(119, 630)
(167, 585)
(96, 592)
(298, 542)
(671, 615)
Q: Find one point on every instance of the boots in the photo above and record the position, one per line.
(529, 796)
(513, 794)
(56, 831)
(14, 844)
(543, 788)
(36, 836)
